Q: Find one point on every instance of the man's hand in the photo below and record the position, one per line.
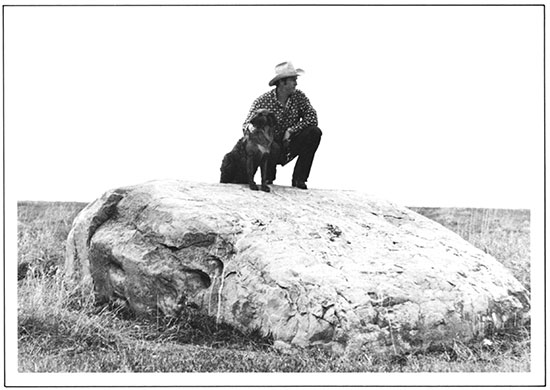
(286, 138)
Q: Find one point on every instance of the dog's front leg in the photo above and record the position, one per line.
(263, 168)
(251, 167)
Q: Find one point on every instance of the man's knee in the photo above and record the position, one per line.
(316, 130)
(314, 134)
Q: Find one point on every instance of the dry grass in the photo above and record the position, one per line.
(62, 330)
(504, 234)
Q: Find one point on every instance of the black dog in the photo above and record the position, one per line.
(251, 151)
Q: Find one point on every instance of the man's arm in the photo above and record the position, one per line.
(307, 113)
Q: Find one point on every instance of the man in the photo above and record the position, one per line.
(297, 133)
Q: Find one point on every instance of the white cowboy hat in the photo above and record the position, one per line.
(283, 70)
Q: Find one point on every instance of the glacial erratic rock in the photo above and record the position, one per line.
(337, 268)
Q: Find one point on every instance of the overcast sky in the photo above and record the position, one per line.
(424, 106)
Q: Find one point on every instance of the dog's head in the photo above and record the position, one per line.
(263, 118)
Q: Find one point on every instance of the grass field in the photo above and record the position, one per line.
(60, 329)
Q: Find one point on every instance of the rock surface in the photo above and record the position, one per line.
(338, 268)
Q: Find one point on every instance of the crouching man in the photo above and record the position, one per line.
(297, 134)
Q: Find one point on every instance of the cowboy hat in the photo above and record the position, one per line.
(284, 70)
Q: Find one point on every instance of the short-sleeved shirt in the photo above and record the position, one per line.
(296, 115)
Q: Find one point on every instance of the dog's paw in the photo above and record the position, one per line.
(266, 188)
(253, 186)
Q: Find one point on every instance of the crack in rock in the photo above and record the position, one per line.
(107, 210)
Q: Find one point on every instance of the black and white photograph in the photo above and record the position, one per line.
(262, 194)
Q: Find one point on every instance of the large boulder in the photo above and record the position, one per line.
(338, 268)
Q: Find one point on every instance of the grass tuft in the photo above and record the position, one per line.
(503, 234)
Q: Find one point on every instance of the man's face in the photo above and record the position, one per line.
(289, 84)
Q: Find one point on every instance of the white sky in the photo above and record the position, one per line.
(424, 106)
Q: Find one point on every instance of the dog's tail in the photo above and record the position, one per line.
(229, 170)
(233, 168)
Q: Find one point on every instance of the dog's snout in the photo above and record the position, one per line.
(261, 118)
(264, 117)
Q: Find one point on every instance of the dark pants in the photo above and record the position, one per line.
(304, 145)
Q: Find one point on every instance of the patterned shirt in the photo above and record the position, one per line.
(296, 115)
